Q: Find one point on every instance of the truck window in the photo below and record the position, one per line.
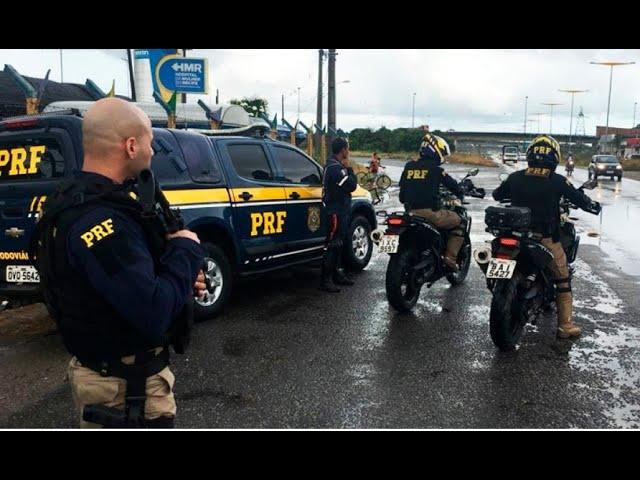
(250, 162)
(296, 168)
(30, 158)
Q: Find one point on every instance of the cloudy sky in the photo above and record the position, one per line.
(459, 89)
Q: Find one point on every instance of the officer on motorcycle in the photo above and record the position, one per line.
(540, 189)
(419, 192)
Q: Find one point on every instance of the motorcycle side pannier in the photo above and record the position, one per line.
(507, 217)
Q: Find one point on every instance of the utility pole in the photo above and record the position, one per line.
(331, 107)
(184, 95)
(573, 93)
(526, 99)
(61, 74)
(550, 104)
(298, 119)
(217, 97)
(413, 111)
(610, 65)
(282, 108)
(131, 80)
(319, 104)
(634, 115)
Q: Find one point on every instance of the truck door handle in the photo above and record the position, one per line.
(245, 196)
(294, 195)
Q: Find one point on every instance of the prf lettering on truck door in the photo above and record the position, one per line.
(14, 161)
(267, 223)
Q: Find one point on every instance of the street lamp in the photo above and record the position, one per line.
(551, 115)
(413, 111)
(611, 65)
(572, 92)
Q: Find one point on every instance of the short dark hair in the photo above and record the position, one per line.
(338, 144)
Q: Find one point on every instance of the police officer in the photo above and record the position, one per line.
(419, 191)
(338, 182)
(112, 286)
(540, 189)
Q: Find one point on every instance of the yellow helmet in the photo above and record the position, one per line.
(434, 147)
(544, 151)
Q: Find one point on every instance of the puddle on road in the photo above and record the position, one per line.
(610, 353)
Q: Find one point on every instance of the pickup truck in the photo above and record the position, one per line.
(255, 203)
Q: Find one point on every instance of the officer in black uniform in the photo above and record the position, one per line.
(339, 181)
(419, 192)
(113, 284)
(540, 189)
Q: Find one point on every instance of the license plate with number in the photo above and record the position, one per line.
(389, 243)
(22, 274)
(501, 269)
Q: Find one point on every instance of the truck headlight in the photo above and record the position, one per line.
(601, 167)
(619, 167)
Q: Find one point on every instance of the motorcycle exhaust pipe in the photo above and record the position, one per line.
(482, 256)
(376, 236)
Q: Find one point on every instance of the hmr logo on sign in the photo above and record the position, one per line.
(183, 75)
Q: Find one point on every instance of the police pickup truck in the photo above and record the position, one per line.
(254, 202)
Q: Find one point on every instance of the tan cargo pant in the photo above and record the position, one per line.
(560, 270)
(89, 387)
(445, 220)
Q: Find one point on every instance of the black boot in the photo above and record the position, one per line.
(328, 267)
(342, 278)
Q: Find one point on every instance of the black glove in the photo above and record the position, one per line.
(595, 208)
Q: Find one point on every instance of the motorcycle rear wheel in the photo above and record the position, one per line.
(507, 317)
(402, 294)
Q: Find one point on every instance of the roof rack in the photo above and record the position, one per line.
(254, 130)
(68, 111)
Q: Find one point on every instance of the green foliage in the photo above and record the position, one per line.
(385, 140)
(253, 106)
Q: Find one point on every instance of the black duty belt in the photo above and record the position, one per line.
(146, 365)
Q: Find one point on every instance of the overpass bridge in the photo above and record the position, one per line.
(500, 138)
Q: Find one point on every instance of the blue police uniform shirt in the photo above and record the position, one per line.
(339, 182)
(109, 249)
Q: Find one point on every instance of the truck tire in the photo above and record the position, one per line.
(218, 270)
(359, 246)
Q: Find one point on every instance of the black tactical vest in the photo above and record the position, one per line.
(91, 328)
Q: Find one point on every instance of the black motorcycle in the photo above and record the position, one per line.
(517, 268)
(416, 248)
(568, 168)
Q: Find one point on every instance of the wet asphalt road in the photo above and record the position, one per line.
(285, 355)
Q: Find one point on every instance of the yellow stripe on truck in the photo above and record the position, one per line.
(259, 194)
(305, 192)
(200, 195)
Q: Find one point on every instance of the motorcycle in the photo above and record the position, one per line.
(517, 268)
(568, 168)
(416, 247)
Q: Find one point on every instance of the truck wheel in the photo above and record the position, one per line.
(359, 247)
(220, 276)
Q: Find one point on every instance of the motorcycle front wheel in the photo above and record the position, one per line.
(402, 292)
(507, 317)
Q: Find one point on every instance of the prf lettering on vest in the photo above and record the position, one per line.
(417, 174)
(269, 222)
(97, 233)
(17, 157)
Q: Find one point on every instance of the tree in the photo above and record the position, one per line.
(253, 106)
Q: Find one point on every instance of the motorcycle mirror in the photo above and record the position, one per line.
(503, 177)
(473, 173)
(590, 184)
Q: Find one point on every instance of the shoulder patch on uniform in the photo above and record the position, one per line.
(538, 172)
(96, 233)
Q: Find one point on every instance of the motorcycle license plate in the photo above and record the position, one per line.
(389, 243)
(21, 274)
(501, 269)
